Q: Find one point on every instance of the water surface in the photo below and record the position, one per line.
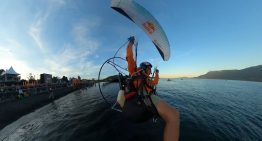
(211, 110)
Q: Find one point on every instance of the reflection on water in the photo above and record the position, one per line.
(210, 110)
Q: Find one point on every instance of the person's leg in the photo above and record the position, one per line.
(171, 117)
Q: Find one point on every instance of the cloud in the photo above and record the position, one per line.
(36, 28)
(73, 58)
(76, 57)
(82, 35)
(12, 53)
(35, 33)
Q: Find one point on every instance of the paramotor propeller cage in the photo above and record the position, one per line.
(121, 71)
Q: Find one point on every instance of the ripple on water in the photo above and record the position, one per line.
(209, 110)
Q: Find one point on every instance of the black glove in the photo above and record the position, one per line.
(131, 39)
(157, 71)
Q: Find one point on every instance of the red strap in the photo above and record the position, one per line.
(129, 95)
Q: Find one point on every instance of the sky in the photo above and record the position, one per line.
(74, 37)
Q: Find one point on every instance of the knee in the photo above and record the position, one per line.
(174, 115)
(168, 113)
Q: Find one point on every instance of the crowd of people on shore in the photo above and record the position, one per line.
(8, 93)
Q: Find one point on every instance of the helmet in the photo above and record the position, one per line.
(144, 65)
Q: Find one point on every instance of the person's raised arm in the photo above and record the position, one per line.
(129, 55)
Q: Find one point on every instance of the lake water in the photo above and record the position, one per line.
(211, 110)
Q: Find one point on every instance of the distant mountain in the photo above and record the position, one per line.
(247, 74)
(113, 78)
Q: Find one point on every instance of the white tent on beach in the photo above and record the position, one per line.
(10, 75)
(10, 71)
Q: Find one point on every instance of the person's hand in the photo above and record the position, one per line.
(131, 39)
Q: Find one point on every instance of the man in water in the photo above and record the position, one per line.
(169, 114)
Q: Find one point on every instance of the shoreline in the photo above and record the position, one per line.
(12, 110)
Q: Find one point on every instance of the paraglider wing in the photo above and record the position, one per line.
(147, 22)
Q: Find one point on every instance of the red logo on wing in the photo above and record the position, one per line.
(150, 27)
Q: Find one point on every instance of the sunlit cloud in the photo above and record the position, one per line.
(82, 36)
(35, 32)
(73, 58)
(15, 54)
(36, 29)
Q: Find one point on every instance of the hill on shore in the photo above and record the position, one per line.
(113, 78)
(248, 74)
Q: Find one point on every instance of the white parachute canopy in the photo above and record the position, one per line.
(140, 16)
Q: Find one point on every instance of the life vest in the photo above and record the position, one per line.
(138, 105)
(137, 84)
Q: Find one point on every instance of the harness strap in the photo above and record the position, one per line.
(139, 90)
(150, 107)
(130, 95)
